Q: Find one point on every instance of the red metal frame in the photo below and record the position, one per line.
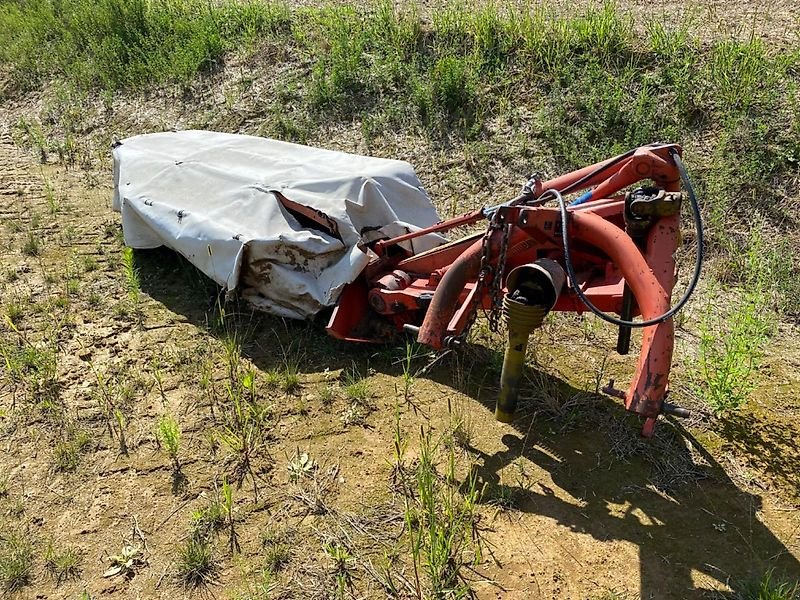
(435, 289)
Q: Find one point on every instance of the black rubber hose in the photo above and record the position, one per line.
(698, 263)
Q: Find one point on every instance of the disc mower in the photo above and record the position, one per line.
(603, 250)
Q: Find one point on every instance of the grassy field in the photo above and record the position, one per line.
(156, 441)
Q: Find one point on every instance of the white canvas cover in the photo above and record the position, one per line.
(214, 198)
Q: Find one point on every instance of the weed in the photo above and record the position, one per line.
(14, 312)
(67, 451)
(440, 524)
(327, 395)
(729, 351)
(210, 518)
(300, 465)
(35, 366)
(356, 387)
(197, 564)
(133, 283)
(89, 263)
(111, 399)
(169, 436)
(62, 564)
(461, 430)
(121, 422)
(770, 588)
(343, 564)
(245, 429)
(16, 560)
(65, 456)
(126, 563)
(276, 556)
(227, 502)
(408, 375)
(32, 246)
(50, 196)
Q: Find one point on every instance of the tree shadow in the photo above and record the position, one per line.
(667, 495)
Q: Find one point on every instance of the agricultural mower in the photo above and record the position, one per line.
(606, 251)
(298, 229)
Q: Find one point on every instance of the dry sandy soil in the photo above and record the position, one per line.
(574, 503)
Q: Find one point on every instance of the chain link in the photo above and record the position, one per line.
(489, 276)
(497, 278)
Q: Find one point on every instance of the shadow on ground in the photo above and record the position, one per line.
(668, 495)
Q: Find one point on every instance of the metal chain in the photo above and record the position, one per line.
(487, 271)
(497, 280)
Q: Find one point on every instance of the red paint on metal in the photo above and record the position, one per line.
(441, 291)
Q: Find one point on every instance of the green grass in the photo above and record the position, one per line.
(63, 563)
(578, 88)
(121, 43)
(440, 524)
(16, 560)
(169, 436)
(197, 564)
(770, 587)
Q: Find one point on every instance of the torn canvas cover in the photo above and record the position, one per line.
(283, 223)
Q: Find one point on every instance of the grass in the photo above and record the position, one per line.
(63, 563)
(572, 89)
(197, 564)
(16, 560)
(343, 564)
(729, 353)
(770, 587)
(439, 519)
(133, 283)
(169, 436)
(355, 385)
(459, 72)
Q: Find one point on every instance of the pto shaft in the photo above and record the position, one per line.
(532, 291)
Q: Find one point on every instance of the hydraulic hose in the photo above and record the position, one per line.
(698, 264)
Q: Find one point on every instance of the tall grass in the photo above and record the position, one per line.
(577, 87)
(125, 43)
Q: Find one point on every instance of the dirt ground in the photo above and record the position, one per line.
(575, 504)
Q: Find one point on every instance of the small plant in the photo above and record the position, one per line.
(211, 517)
(729, 352)
(408, 376)
(126, 563)
(327, 395)
(769, 588)
(291, 380)
(14, 312)
(461, 430)
(65, 456)
(119, 419)
(343, 563)
(196, 562)
(50, 196)
(133, 283)
(356, 387)
(169, 436)
(227, 502)
(16, 560)
(440, 524)
(62, 564)
(276, 556)
(32, 246)
(300, 465)
(66, 452)
(245, 430)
